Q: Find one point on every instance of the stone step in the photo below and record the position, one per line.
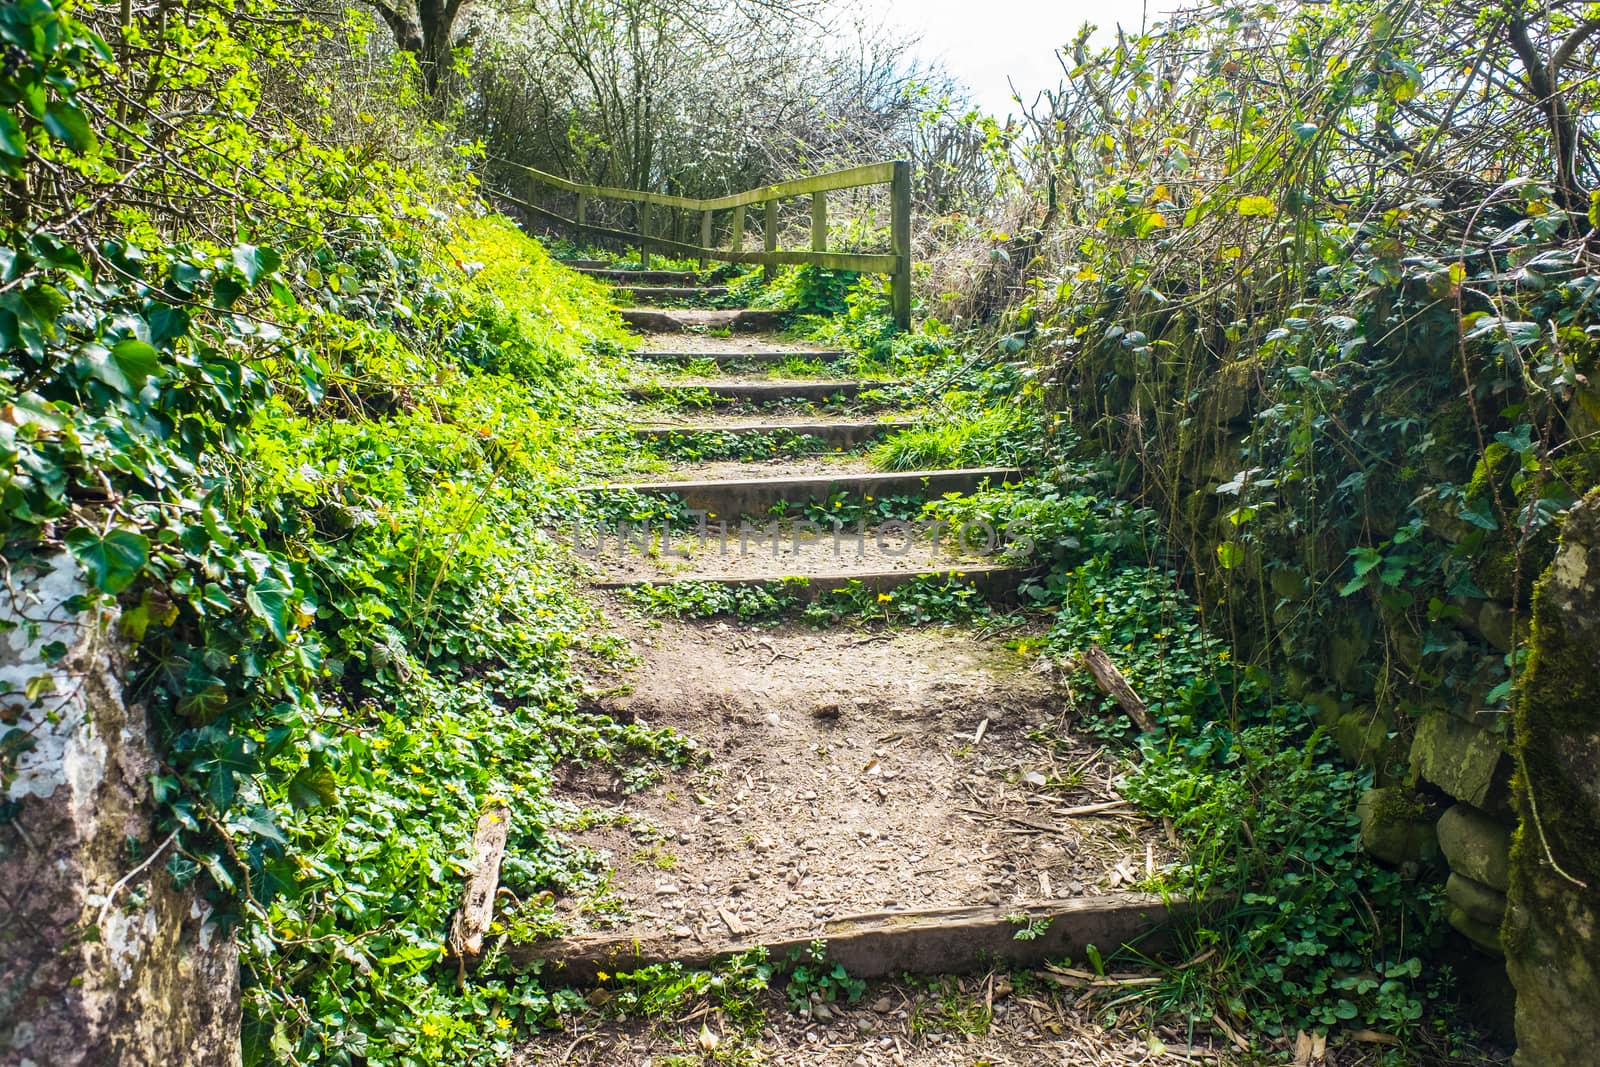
(684, 320)
(756, 496)
(993, 581)
(585, 266)
(658, 294)
(765, 355)
(642, 277)
(888, 944)
(760, 392)
(831, 434)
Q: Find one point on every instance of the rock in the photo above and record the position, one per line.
(882, 1005)
(1463, 759)
(1552, 928)
(1395, 828)
(825, 711)
(1477, 900)
(1494, 623)
(158, 981)
(1476, 846)
(1483, 935)
(1362, 737)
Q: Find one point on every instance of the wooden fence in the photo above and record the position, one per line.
(897, 263)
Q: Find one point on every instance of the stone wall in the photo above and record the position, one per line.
(1551, 933)
(1448, 808)
(102, 961)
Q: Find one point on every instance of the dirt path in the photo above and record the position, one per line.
(850, 770)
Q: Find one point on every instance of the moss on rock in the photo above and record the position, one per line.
(1552, 925)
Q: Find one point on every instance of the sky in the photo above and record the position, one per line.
(982, 42)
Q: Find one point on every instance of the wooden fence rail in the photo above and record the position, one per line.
(896, 263)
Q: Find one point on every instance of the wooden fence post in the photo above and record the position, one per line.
(819, 221)
(900, 243)
(645, 213)
(738, 228)
(705, 240)
(769, 235)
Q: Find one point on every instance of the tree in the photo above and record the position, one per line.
(430, 30)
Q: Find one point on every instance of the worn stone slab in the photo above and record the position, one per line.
(887, 944)
(756, 496)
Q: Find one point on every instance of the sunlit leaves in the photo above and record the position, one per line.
(113, 560)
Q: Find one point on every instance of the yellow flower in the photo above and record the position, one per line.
(884, 597)
(503, 1023)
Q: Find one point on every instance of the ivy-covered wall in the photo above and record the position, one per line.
(1363, 507)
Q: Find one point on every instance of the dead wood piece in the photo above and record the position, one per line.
(472, 919)
(1111, 681)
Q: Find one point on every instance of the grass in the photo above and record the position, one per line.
(991, 438)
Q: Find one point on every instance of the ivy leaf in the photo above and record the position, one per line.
(11, 142)
(1257, 207)
(67, 124)
(254, 262)
(113, 561)
(137, 360)
(313, 787)
(269, 601)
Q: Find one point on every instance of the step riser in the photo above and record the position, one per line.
(585, 266)
(886, 945)
(664, 295)
(756, 497)
(654, 320)
(641, 277)
(847, 435)
(995, 584)
(759, 393)
(727, 358)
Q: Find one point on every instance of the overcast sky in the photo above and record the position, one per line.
(982, 42)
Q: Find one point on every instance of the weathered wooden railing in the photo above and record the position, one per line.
(897, 263)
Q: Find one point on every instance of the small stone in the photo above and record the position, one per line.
(825, 711)
(682, 932)
(882, 1005)
(866, 1024)
(1035, 779)
(793, 877)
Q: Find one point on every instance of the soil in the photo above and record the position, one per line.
(849, 771)
(899, 1025)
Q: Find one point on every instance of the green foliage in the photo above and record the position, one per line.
(706, 446)
(993, 438)
(307, 443)
(813, 978)
(703, 600)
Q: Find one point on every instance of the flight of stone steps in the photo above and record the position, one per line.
(740, 390)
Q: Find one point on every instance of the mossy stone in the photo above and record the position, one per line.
(1484, 935)
(1480, 902)
(1552, 926)
(1465, 760)
(1396, 828)
(1362, 737)
(1476, 845)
